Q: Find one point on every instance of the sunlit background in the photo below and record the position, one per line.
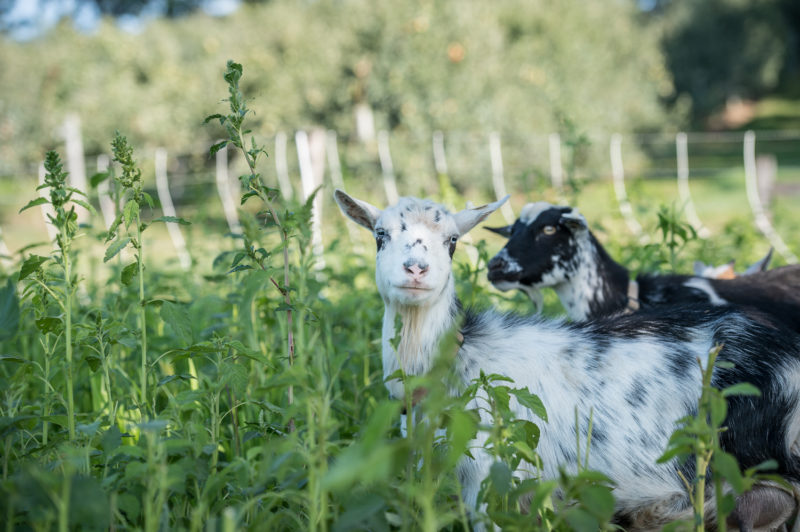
(522, 96)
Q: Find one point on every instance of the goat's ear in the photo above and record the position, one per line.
(502, 231)
(762, 265)
(359, 211)
(469, 218)
(574, 220)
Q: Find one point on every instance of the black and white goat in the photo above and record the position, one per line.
(551, 246)
(637, 373)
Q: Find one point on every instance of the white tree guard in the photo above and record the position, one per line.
(387, 168)
(225, 191)
(556, 169)
(282, 166)
(311, 159)
(682, 154)
(498, 181)
(335, 165)
(440, 164)
(439, 157)
(107, 207)
(5, 253)
(47, 209)
(618, 174)
(76, 166)
(759, 213)
(167, 207)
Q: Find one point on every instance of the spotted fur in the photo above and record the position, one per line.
(635, 374)
(590, 283)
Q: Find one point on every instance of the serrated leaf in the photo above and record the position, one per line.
(9, 311)
(129, 211)
(148, 199)
(115, 248)
(235, 376)
(178, 318)
(84, 204)
(239, 268)
(172, 219)
(30, 265)
(34, 203)
(129, 272)
(49, 324)
(530, 401)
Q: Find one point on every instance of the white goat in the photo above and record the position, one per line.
(636, 373)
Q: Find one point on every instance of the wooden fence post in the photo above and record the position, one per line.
(335, 165)
(556, 169)
(167, 207)
(76, 165)
(682, 155)
(618, 174)
(5, 253)
(387, 168)
(498, 181)
(759, 213)
(224, 190)
(282, 166)
(439, 158)
(311, 158)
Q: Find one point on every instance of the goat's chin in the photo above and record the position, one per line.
(505, 286)
(411, 296)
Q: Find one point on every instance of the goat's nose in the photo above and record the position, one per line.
(497, 263)
(415, 268)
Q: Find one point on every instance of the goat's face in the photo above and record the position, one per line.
(541, 249)
(416, 240)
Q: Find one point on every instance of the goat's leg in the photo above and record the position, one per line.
(765, 507)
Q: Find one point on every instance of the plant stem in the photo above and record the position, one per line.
(142, 310)
(68, 340)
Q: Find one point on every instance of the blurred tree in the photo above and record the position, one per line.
(723, 49)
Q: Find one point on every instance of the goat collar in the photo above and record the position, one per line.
(633, 297)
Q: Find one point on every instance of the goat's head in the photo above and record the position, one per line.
(416, 239)
(541, 249)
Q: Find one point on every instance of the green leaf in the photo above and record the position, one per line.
(34, 203)
(500, 475)
(178, 318)
(218, 146)
(530, 401)
(742, 388)
(172, 219)
(235, 376)
(31, 265)
(129, 211)
(115, 248)
(98, 178)
(129, 272)
(84, 204)
(49, 324)
(725, 465)
(9, 311)
(599, 501)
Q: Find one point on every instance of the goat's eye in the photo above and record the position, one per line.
(453, 240)
(380, 233)
(549, 230)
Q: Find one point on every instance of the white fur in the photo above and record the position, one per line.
(704, 285)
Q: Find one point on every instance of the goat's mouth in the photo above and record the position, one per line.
(413, 288)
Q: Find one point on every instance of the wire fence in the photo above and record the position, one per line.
(395, 164)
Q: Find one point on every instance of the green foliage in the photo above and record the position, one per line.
(697, 438)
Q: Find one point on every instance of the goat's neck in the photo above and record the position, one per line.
(421, 328)
(597, 285)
